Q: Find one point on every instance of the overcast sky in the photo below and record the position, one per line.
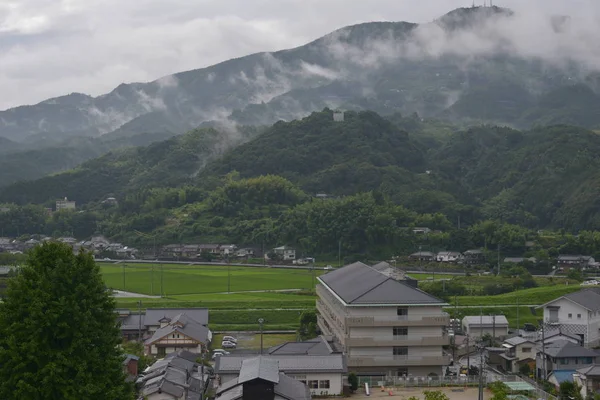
(54, 47)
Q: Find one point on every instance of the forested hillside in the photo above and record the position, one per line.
(546, 177)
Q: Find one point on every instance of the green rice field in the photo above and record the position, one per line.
(179, 279)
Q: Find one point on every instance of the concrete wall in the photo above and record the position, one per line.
(335, 381)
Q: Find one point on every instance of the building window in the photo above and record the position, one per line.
(402, 372)
(400, 351)
(526, 349)
(570, 315)
(323, 384)
(578, 316)
(563, 361)
(313, 384)
(589, 360)
(400, 331)
(402, 311)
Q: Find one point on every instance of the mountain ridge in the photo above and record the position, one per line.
(386, 66)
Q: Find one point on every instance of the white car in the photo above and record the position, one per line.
(229, 339)
(329, 267)
(592, 282)
(228, 345)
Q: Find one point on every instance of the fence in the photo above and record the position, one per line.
(435, 381)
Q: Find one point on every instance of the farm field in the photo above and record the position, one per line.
(178, 279)
(533, 296)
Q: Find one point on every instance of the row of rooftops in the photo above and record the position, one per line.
(178, 375)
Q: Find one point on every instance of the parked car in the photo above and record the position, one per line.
(328, 267)
(219, 352)
(228, 345)
(591, 282)
(229, 339)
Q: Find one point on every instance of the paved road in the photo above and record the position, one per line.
(122, 294)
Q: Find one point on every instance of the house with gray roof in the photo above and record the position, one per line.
(563, 355)
(259, 378)
(174, 378)
(518, 351)
(384, 326)
(178, 333)
(133, 324)
(577, 314)
(588, 378)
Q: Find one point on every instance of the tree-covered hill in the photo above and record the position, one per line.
(360, 154)
(162, 164)
(544, 177)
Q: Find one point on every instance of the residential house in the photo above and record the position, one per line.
(260, 379)
(209, 248)
(134, 325)
(570, 260)
(176, 377)
(577, 314)
(558, 376)
(449, 256)
(285, 253)
(65, 205)
(383, 325)
(563, 355)
(588, 378)
(518, 352)
(178, 333)
(474, 257)
(31, 243)
(316, 363)
(422, 256)
(480, 325)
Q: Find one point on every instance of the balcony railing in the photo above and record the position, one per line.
(400, 320)
(380, 361)
(442, 340)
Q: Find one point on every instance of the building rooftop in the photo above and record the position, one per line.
(259, 368)
(184, 325)
(360, 284)
(335, 363)
(517, 340)
(154, 315)
(588, 298)
(486, 320)
(319, 346)
(592, 370)
(564, 348)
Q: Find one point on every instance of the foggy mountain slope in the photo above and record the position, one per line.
(463, 59)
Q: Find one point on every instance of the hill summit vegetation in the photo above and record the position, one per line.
(376, 176)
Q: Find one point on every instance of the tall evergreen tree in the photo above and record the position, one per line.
(58, 332)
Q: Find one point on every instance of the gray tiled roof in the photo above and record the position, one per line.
(316, 346)
(592, 370)
(259, 368)
(292, 389)
(564, 348)
(190, 328)
(153, 315)
(588, 298)
(335, 363)
(486, 320)
(517, 340)
(361, 284)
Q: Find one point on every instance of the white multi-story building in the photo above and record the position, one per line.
(384, 325)
(576, 314)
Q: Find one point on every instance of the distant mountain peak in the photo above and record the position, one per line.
(468, 17)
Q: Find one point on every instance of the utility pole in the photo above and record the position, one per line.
(480, 397)
(518, 325)
(493, 330)
(543, 351)
(340, 253)
(140, 321)
(123, 277)
(261, 322)
(162, 293)
(152, 279)
(498, 259)
(228, 278)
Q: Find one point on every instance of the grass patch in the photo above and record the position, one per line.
(533, 296)
(234, 301)
(178, 279)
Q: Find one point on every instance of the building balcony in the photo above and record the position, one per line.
(442, 340)
(397, 361)
(400, 320)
